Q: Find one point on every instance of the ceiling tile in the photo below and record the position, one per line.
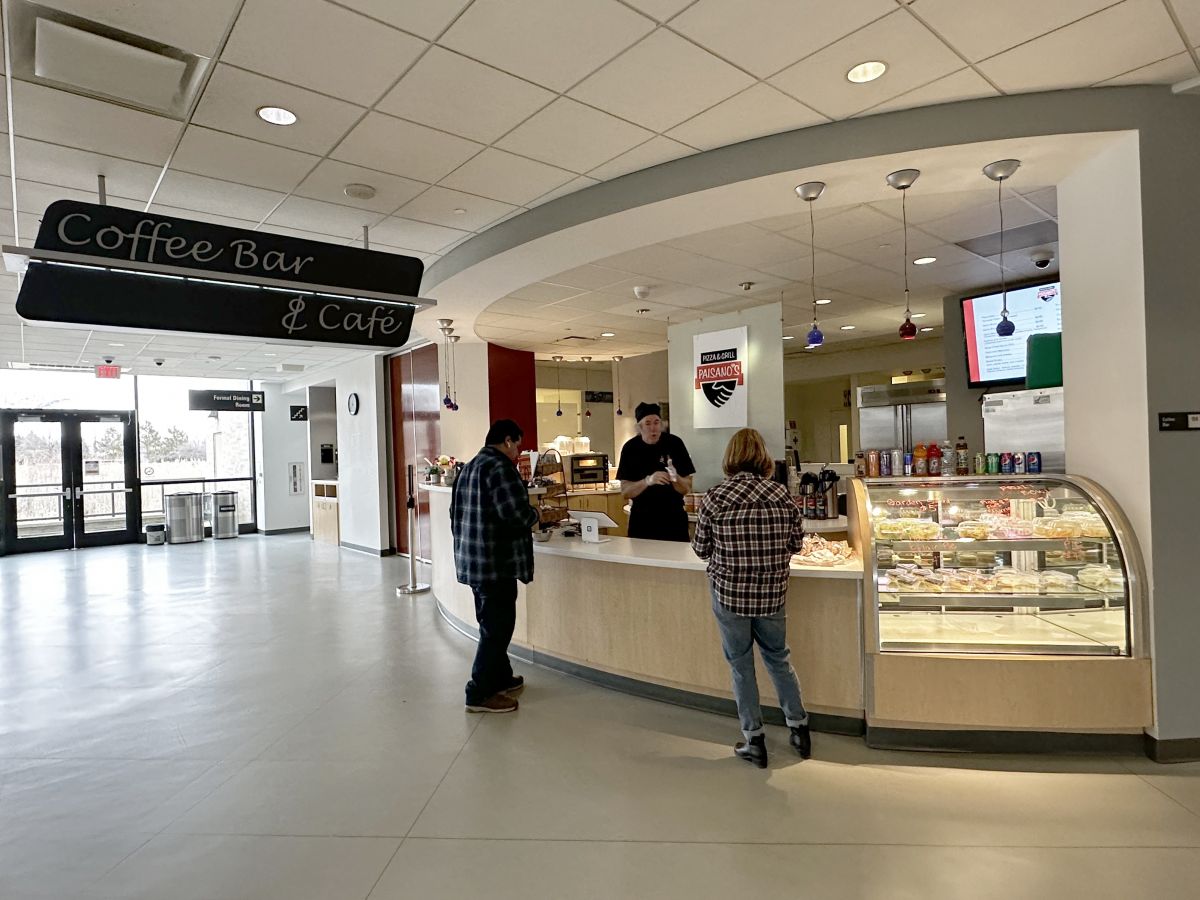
(186, 191)
(965, 84)
(233, 96)
(545, 293)
(507, 178)
(456, 94)
(328, 182)
(52, 164)
(661, 82)
(454, 209)
(65, 118)
(839, 226)
(820, 80)
(800, 269)
(572, 136)
(1175, 68)
(419, 236)
(206, 152)
(988, 29)
(655, 151)
(33, 197)
(179, 213)
(759, 111)
(551, 42)
(321, 46)
(427, 18)
(928, 207)
(660, 10)
(981, 220)
(196, 27)
(404, 148)
(1124, 37)
(588, 277)
(764, 36)
(324, 218)
(1046, 199)
(1188, 12)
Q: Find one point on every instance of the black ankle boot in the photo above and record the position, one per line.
(801, 740)
(755, 751)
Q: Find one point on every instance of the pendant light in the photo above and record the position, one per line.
(617, 373)
(587, 413)
(558, 381)
(446, 331)
(999, 171)
(453, 339)
(902, 180)
(808, 192)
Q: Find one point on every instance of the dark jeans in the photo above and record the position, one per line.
(496, 612)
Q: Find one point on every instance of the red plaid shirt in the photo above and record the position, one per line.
(748, 529)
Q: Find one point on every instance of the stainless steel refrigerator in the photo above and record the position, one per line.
(892, 416)
(1027, 420)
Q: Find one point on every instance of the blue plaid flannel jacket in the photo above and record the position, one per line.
(490, 518)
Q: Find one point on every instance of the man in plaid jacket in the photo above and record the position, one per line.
(491, 518)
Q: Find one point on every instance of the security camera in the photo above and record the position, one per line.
(641, 292)
(159, 361)
(108, 360)
(1042, 258)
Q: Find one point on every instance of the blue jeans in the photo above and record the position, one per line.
(739, 634)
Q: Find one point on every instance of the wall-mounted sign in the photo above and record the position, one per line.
(1179, 421)
(91, 467)
(186, 292)
(296, 478)
(299, 414)
(227, 401)
(720, 394)
(597, 396)
(105, 371)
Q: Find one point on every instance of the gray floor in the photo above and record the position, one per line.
(262, 718)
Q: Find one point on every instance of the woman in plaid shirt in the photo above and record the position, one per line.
(748, 529)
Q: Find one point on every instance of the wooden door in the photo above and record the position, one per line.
(416, 435)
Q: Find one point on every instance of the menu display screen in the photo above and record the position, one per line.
(992, 359)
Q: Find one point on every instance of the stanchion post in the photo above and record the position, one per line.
(413, 586)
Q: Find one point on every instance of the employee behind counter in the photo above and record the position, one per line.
(655, 472)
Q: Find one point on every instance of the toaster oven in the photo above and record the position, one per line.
(589, 468)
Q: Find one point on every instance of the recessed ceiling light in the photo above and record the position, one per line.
(116, 345)
(824, 301)
(924, 260)
(460, 211)
(927, 328)
(848, 327)
(240, 368)
(789, 337)
(608, 334)
(269, 354)
(884, 246)
(810, 347)
(276, 115)
(866, 71)
(918, 315)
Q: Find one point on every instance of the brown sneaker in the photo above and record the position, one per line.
(517, 685)
(497, 703)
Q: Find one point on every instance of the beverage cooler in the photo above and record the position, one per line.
(902, 415)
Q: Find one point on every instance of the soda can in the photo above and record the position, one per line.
(872, 463)
(980, 463)
(908, 464)
(1006, 464)
(993, 463)
(897, 462)
(885, 463)
(1019, 463)
(1033, 462)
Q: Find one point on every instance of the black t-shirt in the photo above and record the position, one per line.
(657, 512)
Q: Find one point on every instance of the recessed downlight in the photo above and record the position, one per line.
(927, 328)
(789, 337)
(918, 315)
(608, 334)
(116, 345)
(866, 71)
(849, 327)
(924, 260)
(276, 115)
(824, 301)
(460, 211)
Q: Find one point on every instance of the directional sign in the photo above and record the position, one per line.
(227, 401)
(299, 413)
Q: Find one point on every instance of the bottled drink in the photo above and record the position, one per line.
(933, 459)
(671, 470)
(962, 457)
(920, 460)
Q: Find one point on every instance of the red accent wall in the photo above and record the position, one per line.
(513, 391)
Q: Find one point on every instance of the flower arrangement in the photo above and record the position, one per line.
(438, 466)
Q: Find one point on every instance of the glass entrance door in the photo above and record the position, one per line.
(69, 479)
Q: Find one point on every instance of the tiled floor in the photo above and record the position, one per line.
(263, 718)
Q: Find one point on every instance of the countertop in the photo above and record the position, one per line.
(666, 555)
(439, 488)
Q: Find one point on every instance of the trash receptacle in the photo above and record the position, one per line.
(156, 534)
(185, 517)
(224, 514)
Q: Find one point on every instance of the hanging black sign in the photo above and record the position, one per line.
(597, 396)
(227, 401)
(1179, 421)
(169, 302)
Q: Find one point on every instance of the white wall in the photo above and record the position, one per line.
(640, 378)
(463, 431)
(362, 456)
(573, 381)
(764, 381)
(278, 442)
(322, 429)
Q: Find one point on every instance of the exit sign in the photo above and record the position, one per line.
(108, 371)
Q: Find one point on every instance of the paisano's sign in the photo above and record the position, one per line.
(107, 267)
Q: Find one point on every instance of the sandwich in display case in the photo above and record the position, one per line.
(1023, 565)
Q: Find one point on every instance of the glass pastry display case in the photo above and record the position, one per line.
(1025, 564)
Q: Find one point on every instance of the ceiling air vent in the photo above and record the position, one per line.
(1035, 235)
(60, 50)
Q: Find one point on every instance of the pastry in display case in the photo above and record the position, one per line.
(1037, 564)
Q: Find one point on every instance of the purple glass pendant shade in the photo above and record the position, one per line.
(1005, 327)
